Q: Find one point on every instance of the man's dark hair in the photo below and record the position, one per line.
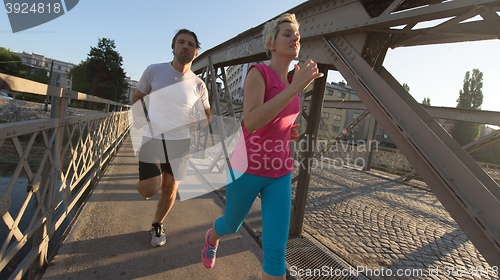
(185, 31)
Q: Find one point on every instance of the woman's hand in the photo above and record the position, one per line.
(294, 134)
(304, 75)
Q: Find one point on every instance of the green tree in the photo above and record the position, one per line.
(102, 73)
(10, 62)
(406, 87)
(39, 75)
(488, 154)
(471, 97)
(427, 101)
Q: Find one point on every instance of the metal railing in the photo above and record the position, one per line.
(57, 160)
(389, 160)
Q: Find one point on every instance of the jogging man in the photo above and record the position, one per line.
(173, 91)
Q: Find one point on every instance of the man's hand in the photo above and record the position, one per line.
(294, 134)
(194, 126)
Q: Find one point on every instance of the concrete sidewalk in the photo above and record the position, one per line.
(111, 238)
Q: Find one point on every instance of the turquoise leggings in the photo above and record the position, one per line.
(276, 196)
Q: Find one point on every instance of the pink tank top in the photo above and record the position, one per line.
(266, 152)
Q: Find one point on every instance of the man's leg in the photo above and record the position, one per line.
(150, 168)
(149, 187)
(167, 197)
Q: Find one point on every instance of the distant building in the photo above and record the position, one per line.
(132, 86)
(60, 69)
(334, 119)
(235, 80)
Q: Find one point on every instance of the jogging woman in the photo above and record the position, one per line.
(261, 162)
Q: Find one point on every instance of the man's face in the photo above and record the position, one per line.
(185, 48)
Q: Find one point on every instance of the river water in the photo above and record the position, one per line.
(18, 196)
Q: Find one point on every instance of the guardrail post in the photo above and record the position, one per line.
(41, 237)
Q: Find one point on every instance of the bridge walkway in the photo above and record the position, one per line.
(110, 239)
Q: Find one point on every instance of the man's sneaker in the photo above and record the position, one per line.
(209, 250)
(158, 237)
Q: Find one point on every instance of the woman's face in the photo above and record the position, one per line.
(287, 41)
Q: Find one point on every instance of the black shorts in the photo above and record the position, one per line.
(157, 156)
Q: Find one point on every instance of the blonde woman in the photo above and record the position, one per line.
(261, 162)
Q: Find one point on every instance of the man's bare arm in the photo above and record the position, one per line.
(138, 95)
(206, 122)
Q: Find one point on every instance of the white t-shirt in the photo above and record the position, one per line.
(173, 97)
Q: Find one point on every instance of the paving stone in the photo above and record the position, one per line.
(395, 224)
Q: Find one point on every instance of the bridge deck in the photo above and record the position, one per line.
(366, 220)
(110, 239)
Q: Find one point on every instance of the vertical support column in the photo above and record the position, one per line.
(220, 121)
(300, 200)
(372, 135)
(300, 128)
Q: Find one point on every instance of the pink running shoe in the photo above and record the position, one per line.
(208, 254)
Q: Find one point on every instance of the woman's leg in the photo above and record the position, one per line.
(276, 203)
(240, 195)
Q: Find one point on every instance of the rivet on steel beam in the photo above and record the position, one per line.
(334, 3)
(14, 132)
(312, 20)
(341, 43)
(353, 57)
(338, 39)
(9, 132)
(338, 28)
(346, 27)
(324, 25)
(307, 21)
(349, 52)
(345, 48)
(317, 26)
